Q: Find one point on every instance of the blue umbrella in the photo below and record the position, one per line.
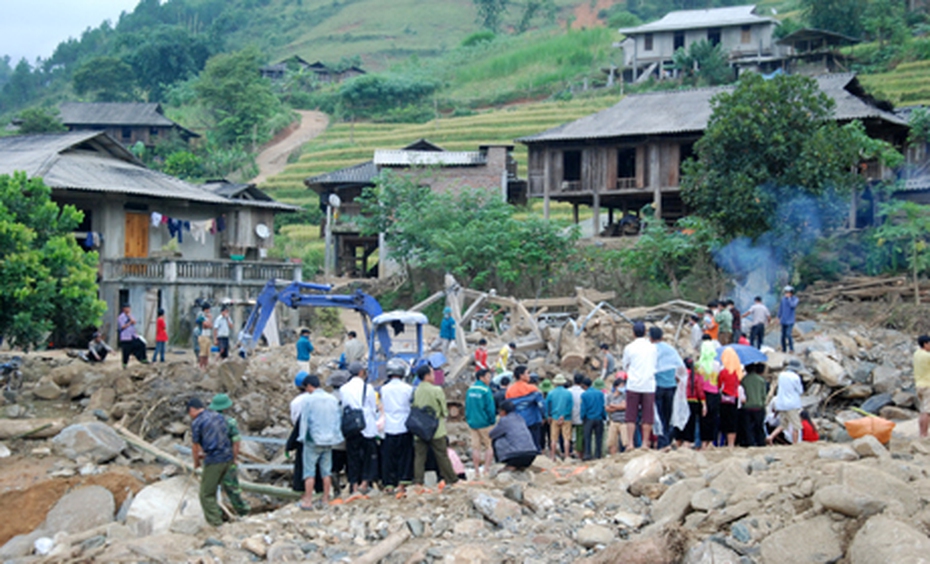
(747, 354)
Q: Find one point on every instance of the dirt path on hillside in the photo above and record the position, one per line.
(273, 157)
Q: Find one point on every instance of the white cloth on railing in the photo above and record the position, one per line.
(199, 230)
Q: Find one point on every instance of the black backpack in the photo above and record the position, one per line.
(422, 422)
(353, 420)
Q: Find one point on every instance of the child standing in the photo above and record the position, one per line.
(481, 355)
(230, 481)
(161, 336)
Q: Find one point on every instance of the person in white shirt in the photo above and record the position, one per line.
(397, 446)
(757, 317)
(361, 449)
(639, 362)
(222, 327)
(577, 423)
(788, 404)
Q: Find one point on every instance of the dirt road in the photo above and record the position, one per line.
(273, 157)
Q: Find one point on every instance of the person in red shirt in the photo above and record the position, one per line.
(729, 380)
(809, 432)
(161, 336)
(481, 355)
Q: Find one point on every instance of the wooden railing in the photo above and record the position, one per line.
(210, 271)
(626, 183)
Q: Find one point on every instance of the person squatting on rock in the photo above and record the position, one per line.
(481, 414)
(513, 443)
(230, 481)
(397, 446)
(428, 395)
(320, 432)
(212, 449)
(788, 404)
(361, 449)
(97, 349)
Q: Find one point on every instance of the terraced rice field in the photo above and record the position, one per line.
(906, 85)
(346, 144)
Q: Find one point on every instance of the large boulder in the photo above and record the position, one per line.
(255, 414)
(883, 539)
(154, 507)
(675, 502)
(644, 469)
(847, 501)
(811, 541)
(79, 510)
(592, 535)
(881, 485)
(93, 440)
(886, 379)
(498, 510)
(829, 371)
(47, 390)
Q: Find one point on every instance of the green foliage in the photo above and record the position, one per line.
(617, 19)
(788, 26)
(491, 13)
(483, 36)
(47, 283)
(904, 230)
(545, 8)
(40, 120)
(885, 22)
(307, 216)
(703, 64)
(920, 127)
(105, 79)
(183, 164)
(841, 16)
(472, 234)
(237, 98)
(668, 255)
(372, 94)
(166, 54)
(769, 142)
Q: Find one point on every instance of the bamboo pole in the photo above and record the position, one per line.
(384, 548)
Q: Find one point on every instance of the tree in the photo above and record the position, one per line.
(105, 79)
(491, 13)
(841, 16)
(239, 100)
(904, 229)
(885, 21)
(183, 164)
(769, 143)
(165, 55)
(546, 8)
(452, 233)
(40, 120)
(703, 64)
(47, 283)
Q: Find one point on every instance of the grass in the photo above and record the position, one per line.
(907, 85)
(345, 144)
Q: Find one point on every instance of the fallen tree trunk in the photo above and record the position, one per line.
(571, 348)
(30, 428)
(384, 548)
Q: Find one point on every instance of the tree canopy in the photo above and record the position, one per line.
(40, 120)
(472, 234)
(47, 283)
(841, 16)
(768, 143)
(703, 64)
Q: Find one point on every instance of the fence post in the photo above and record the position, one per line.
(238, 272)
(171, 271)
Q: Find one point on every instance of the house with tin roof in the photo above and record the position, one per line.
(631, 154)
(162, 242)
(127, 122)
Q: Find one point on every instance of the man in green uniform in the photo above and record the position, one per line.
(429, 395)
(230, 481)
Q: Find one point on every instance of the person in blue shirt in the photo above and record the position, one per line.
(481, 414)
(593, 414)
(447, 330)
(304, 349)
(668, 363)
(211, 447)
(786, 309)
(559, 403)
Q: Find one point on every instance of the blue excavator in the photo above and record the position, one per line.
(395, 334)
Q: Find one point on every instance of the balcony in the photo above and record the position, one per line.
(223, 272)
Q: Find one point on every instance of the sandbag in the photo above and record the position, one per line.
(878, 427)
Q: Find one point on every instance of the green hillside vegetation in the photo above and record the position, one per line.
(907, 85)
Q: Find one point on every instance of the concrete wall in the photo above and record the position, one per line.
(454, 179)
(730, 40)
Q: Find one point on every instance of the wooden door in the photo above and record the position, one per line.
(137, 235)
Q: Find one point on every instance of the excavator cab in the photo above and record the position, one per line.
(397, 334)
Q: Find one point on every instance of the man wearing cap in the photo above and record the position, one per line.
(222, 328)
(304, 349)
(481, 414)
(616, 414)
(757, 318)
(204, 324)
(362, 449)
(668, 365)
(786, 309)
(639, 363)
(788, 403)
(397, 445)
(320, 431)
(559, 404)
(293, 441)
(447, 330)
(528, 402)
(211, 448)
(230, 481)
(428, 395)
(593, 414)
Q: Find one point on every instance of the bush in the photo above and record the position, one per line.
(484, 36)
(407, 114)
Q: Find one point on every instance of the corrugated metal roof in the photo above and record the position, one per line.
(698, 19)
(246, 194)
(388, 157)
(93, 161)
(113, 113)
(362, 173)
(688, 111)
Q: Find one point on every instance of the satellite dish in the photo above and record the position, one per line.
(262, 231)
(334, 201)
